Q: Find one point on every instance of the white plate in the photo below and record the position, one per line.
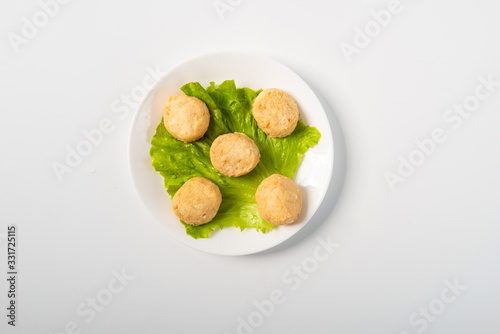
(253, 71)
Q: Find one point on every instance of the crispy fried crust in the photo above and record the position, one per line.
(186, 117)
(197, 201)
(279, 200)
(234, 154)
(275, 112)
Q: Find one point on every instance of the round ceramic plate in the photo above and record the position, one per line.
(248, 70)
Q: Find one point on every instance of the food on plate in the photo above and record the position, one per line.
(279, 199)
(230, 112)
(276, 112)
(186, 117)
(234, 154)
(197, 201)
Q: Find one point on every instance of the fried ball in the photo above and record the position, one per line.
(234, 154)
(275, 112)
(278, 200)
(186, 117)
(197, 201)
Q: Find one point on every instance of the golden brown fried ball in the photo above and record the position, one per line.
(279, 200)
(186, 117)
(234, 154)
(197, 201)
(276, 112)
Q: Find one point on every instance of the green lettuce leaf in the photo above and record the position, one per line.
(230, 111)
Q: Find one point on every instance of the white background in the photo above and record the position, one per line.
(396, 247)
